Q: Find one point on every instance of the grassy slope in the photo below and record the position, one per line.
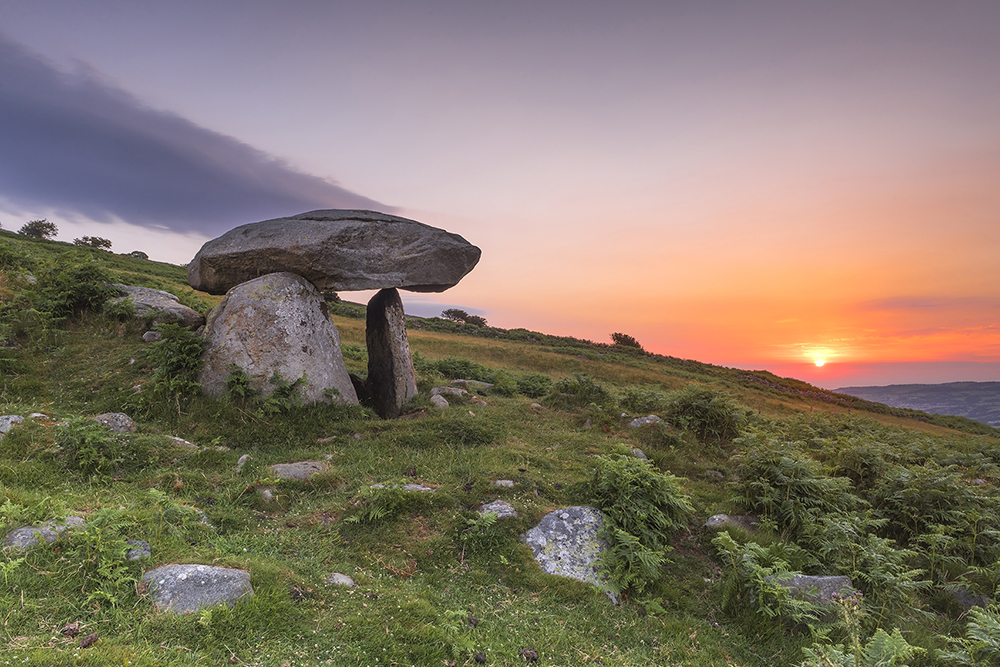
(420, 574)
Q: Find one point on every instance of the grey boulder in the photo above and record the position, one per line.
(336, 250)
(182, 588)
(30, 537)
(276, 324)
(9, 421)
(117, 422)
(300, 470)
(501, 508)
(565, 543)
(164, 307)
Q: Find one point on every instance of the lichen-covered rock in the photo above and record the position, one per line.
(163, 306)
(117, 422)
(742, 521)
(451, 391)
(565, 543)
(644, 421)
(439, 401)
(338, 579)
(138, 549)
(300, 470)
(182, 588)
(391, 378)
(30, 537)
(9, 421)
(501, 508)
(276, 324)
(337, 250)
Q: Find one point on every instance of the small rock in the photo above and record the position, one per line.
(138, 549)
(182, 588)
(30, 537)
(478, 401)
(566, 543)
(501, 508)
(71, 629)
(338, 579)
(818, 590)
(714, 474)
(587, 424)
(181, 442)
(302, 470)
(644, 421)
(439, 401)
(451, 391)
(472, 385)
(480, 658)
(7, 422)
(152, 336)
(242, 462)
(505, 483)
(137, 388)
(117, 422)
(530, 654)
(744, 521)
(89, 640)
(536, 405)
(36, 415)
(639, 454)
(266, 494)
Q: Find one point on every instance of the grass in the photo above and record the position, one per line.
(421, 576)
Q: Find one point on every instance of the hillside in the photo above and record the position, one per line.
(903, 503)
(975, 400)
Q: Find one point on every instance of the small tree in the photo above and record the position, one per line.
(625, 340)
(93, 242)
(462, 317)
(138, 254)
(39, 229)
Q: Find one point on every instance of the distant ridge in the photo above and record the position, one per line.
(975, 400)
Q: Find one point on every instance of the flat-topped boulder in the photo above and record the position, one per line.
(566, 543)
(335, 249)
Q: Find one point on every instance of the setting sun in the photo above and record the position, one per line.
(820, 362)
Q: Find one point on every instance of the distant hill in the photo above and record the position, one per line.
(975, 400)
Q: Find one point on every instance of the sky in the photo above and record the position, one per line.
(757, 185)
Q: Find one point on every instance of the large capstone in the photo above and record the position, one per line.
(162, 307)
(565, 543)
(391, 379)
(183, 588)
(279, 325)
(336, 250)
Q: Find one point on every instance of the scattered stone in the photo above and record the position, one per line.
(714, 474)
(391, 378)
(117, 422)
(279, 325)
(137, 388)
(183, 588)
(405, 487)
(152, 336)
(339, 250)
(9, 421)
(338, 579)
(639, 454)
(477, 401)
(818, 590)
(644, 421)
(967, 599)
(36, 415)
(587, 424)
(565, 543)
(181, 442)
(501, 508)
(242, 462)
(439, 401)
(163, 306)
(530, 654)
(472, 385)
(505, 483)
(30, 537)
(71, 629)
(266, 494)
(301, 470)
(451, 391)
(138, 549)
(536, 405)
(742, 521)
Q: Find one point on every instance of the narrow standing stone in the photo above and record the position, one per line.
(391, 379)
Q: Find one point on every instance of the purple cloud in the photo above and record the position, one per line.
(76, 144)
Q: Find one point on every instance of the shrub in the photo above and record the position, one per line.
(706, 412)
(39, 229)
(89, 446)
(69, 286)
(534, 385)
(177, 356)
(138, 254)
(642, 510)
(93, 242)
(579, 391)
(625, 341)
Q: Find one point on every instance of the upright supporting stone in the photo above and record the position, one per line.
(391, 379)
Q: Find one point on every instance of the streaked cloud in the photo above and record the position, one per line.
(77, 144)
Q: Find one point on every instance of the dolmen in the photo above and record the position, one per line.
(273, 321)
